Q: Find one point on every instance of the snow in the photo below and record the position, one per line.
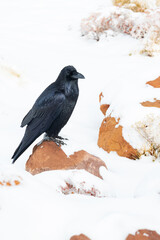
(37, 39)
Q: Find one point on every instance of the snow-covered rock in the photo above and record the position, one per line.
(143, 25)
(144, 234)
(111, 139)
(141, 121)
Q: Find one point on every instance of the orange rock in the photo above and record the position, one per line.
(80, 237)
(111, 139)
(16, 182)
(155, 83)
(130, 237)
(156, 103)
(8, 184)
(100, 97)
(144, 234)
(49, 156)
(104, 108)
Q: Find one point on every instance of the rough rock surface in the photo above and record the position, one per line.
(144, 234)
(49, 156)
(111, 139)
(80, 237)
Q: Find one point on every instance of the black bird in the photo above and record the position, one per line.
(52, 109)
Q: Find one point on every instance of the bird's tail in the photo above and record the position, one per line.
(27, 140)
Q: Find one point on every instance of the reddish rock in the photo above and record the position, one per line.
(144, 234)
(80, 237)
(111, 139)
(103, 107)
(100, 97)
(155, 83)
(49, 156)
(156, 103)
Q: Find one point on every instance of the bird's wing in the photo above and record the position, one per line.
(44, 111)
(27, 118)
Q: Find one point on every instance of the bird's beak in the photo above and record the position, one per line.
(78, 75)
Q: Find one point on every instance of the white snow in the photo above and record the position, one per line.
(37, 39)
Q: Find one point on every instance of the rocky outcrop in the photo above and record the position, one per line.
(111, 139)
(110, 136)
(80, 237)
(49, 156)
(144, 234)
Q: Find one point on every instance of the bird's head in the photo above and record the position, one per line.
(71, 73)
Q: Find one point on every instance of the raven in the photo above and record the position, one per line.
(52, 109)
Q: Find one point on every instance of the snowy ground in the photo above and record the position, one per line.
(37, 39)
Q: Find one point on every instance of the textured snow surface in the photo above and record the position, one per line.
(37, 39)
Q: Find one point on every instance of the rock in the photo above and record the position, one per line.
(143, 127)
(111, 139)
(49, 156)
(103, 107)
(10, 180)
(9, 183)
(144, 234)
(100, 97)
(81, 187)
(156, 103)
(155, 83)
(80, 237)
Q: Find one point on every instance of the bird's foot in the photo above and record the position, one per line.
(58, 140)
(61, 138)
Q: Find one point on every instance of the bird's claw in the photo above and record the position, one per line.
(61, 138)
(58, 140)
